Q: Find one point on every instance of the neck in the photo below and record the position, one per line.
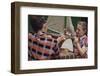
(39, 32)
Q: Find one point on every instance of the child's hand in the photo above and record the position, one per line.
(61, 38)
(76, 40)
(66, 32)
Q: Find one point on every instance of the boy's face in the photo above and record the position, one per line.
(79, 31)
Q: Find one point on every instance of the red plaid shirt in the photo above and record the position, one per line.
(41, 47)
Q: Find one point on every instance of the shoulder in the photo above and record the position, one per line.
(85, 40)
(31, 35)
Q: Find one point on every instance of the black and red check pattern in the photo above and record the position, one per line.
(41, 47)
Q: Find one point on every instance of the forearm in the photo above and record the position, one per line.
(81, 50)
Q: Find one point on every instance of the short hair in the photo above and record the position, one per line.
(36, 22)
(84, 25)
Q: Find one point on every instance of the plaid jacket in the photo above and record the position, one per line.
(41, 47)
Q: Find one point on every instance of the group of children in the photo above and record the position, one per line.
(43, 46)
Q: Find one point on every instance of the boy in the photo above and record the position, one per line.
(42, 46)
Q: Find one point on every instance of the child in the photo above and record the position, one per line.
(80, 40)
(42, 46)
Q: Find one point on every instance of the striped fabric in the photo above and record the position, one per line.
(41, 47)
